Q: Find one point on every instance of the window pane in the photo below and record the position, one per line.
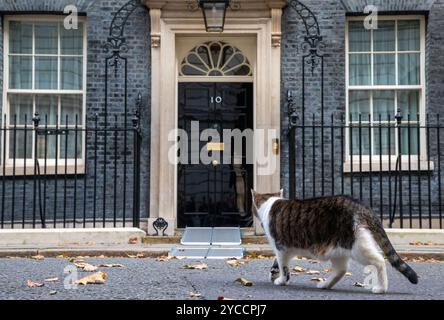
(68, 147)
(360, 141)
(409, 139)
(409, 35)
(360, 69)
(359, 37)
(46, 148)
(385, 70)
(18, 145)
(359, 105)
(46, 38)
(384, 137)
(71, 107)
(20, 72)
(47, 107)
(383, 105)
(71, 73)
(20, 105)
(384, 37)
(20, 37)
(46, 73)
(408, 101)
(71, 40)
(409, 69)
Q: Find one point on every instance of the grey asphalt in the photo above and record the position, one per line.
(152, 279)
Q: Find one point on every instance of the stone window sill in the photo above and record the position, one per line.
(386, 166)
(50, 170)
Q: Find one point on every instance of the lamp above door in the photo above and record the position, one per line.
(214, 12)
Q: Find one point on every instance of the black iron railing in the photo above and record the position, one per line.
(69, 175)
(390, 162)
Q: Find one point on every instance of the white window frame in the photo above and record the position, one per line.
(357, 162)
(26, 167)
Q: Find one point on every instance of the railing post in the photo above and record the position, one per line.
(136, 167)
(398, 169)
(293, 118)
(36, 122)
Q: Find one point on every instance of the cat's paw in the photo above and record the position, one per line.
(379, 290)
(281, 281)
(274, 274)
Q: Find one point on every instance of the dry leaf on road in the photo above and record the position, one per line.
(86, 267)
(328, 270)
(358, 284)
(313, 272)
(235, 262)
(33, 284)
(244, 282)
(221, 298)
(348, 274)
(96, 278)
(318, 279)
(201, 266)
(298, 269)
(195, 294)
(111, 265)
(38, 257)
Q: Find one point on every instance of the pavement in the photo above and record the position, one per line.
(167, 280)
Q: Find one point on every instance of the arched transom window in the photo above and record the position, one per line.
(215, 59)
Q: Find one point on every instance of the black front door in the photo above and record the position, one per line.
(213, 191)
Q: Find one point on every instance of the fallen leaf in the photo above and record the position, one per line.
(298, 269)
(313, 272)
(52, 280)
(233, 262)
(86, 267)
(313, 261)
(358, 284)
(255, 256)
(52, 292)
(38, 257)
(221, 298)
(300, 258)
(348, 274)
(201, 266)
(244, 282)
(62, 256)
(328, 270)
(318, 279)
(96, 278)
(111, 265)
(33, 284)
(168, 258)
(195, 294)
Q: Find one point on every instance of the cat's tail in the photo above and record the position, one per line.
(386, 246)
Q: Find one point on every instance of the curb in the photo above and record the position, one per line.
(158, 252)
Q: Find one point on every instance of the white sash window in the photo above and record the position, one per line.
(44, 73)
(385, 73)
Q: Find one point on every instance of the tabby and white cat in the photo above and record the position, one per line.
(334, 228)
